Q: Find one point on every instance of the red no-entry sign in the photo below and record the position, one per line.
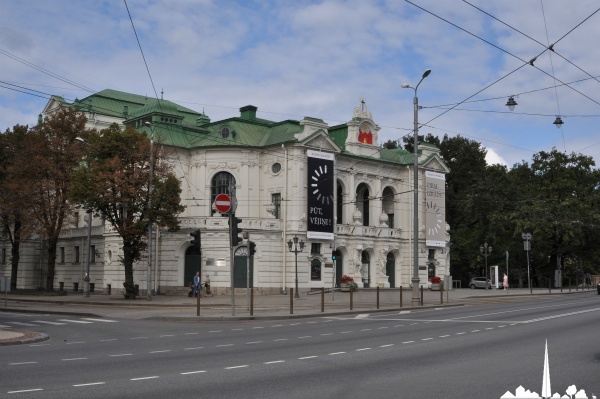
(223, 203)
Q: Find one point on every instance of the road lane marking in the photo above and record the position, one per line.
(280, 339)
(144, 378)
(399, 325)
(88, 384)
(475, 330)
(253, 342)
(194, 333)
(122, 354)
(295, 324)
(256, 328)
(311, 322)
(381, 328)
(74, 343)
(461, 333)
(444, 336)
(277, 325)
(404, 312)
(306, 336)
(362, 316)
(191, 349)
(408, 342)
(74, 358)
(366, 329)
(362, 349)
(347, 332)
(490, 328)
(26, 390)
(76, 321)
(108, 340)
(49, 322)
(426, 339)
(139, 338)
(18, 323)
(385, 346)
(100, 320)
(163, 351)
(166, 335)
(39, 345)
(307, 357)
(18, 364)
(237, 329)
(224, 345)
(216, 331)
(193, 372)
(236, 367)
(324, 334)
(275, 361)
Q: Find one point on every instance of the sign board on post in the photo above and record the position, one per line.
(5, 284)
(223, 203)
(320, 195)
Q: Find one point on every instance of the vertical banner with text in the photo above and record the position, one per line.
(320, 185)
(435, 209)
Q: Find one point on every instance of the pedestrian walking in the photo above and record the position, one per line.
(505, 281)
(197, 284)
(207, 285)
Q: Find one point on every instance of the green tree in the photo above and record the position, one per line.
(52, 153)
(113, 182)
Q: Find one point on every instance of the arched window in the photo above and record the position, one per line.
(221, 184)
(340, 204)
(362, 202)
(315, 270)
(387, 204)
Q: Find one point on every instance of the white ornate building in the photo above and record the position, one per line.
(265, 162)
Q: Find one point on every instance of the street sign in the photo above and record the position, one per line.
(223, 203)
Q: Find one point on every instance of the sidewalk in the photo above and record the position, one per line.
(265, 307)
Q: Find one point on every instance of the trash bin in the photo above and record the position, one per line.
(61, 285)
(92, 287)
(75, 287)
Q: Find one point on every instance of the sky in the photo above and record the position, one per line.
(318, 58)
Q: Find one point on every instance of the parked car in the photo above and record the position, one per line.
(479, 282)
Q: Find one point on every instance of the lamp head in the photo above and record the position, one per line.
(290, 244)
(426, 73)
(295, 240)
(405, 86)
(301, 245)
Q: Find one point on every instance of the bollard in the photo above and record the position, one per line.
(400, 296)
(322, 299)
(291, 301)
(251, 301)
(351, 292)
(377, 297)
(441, 295)
(421, 295)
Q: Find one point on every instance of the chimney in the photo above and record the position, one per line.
(248, 112)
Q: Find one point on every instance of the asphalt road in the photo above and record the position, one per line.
(478, 351)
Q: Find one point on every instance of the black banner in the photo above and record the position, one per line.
(321, 184)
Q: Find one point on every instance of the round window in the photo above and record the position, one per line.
(276, 167)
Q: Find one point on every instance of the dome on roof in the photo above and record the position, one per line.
(155, 107)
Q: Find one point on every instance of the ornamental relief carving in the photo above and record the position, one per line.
(223, 166)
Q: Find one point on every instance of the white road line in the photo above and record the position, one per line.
(216, 331)
(193, 372)
(306, 336)
(49, 322)
(275, 361)
(366, 329)
(108, 340)
(191, 349)
(195, 333)
(76, 321)
(256, 328)
(237, 329)
(278, 325)
(139, 338)
(311, 322)
(39, 345)
(326, 321)
(412, 324)
(3, 326)
(18, 323)
(122, 354)
(295, 324)
(163, 351)
(404, 312)
(144, 378)
(74, 358)
(18, 364)
(399, 325)
(408, 342)
(324, 334)
(224, 345)
(167, 335)
(348, 332)
(88, 384)
(236, 367)
(385, 346)
(362, 349)
(253, 342)
(381, 328)
(475, 330)
(426, 339)
(501, 326)
(26, 390)
(361, 316)
(281, 339)
(461, 333)
(307, 357)
(101, 320)
(490, 328)
(336, 353)
(444, 336)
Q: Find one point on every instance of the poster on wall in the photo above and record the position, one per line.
(435, 209)
(320, 185)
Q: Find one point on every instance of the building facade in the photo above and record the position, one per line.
(367, 214)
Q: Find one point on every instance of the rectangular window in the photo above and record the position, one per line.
(76, 254)
(62, 254)
(391, 220)
(431, 254)
(93, 254)
(315, 248)
(276, 201)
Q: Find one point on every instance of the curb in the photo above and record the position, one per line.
(54, 312)
(29, 337)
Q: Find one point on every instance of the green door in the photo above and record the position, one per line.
(239, 268)
(192, 264)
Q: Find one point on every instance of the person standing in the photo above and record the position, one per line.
(505, 281)
(196, 284)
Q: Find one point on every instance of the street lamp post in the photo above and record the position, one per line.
(293, 247)
(86, 279)
(415, 279)
(150, 177)
(486, 250)
(527, 245)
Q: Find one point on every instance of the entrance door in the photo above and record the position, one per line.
(239, 268)
(390, 269)
(192, 264)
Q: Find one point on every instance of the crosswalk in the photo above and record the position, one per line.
(58, 322)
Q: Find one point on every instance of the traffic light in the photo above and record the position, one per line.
(196, 240)
(235, 230)
(252, 248)
(333, 254)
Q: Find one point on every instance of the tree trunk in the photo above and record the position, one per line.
(14, 252)
(128, 263)
(52, 242)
